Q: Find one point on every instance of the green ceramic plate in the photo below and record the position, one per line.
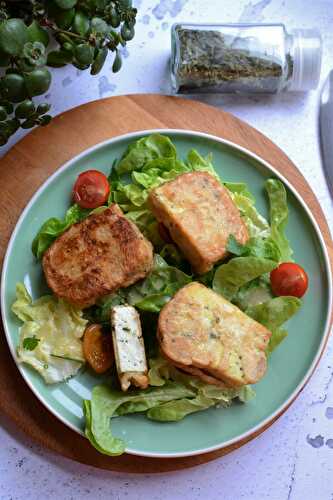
(290, 365)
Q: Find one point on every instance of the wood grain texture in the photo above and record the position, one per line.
(30, 162)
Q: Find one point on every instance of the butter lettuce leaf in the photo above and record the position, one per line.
(279, 216)
(273, 314)
(107, 403)
(229, 277)
(54, 227)
(171, 397)
(56, 328)
(144, 150)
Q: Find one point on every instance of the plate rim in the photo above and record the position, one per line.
(268, 421)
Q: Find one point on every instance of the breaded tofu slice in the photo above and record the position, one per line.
(128, 346)
(200, 216)
(96, 257)
(202, 332)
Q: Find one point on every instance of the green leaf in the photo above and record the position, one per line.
(58, 58)
(265, 248)
(13, 87)
(34, 53)
(38, 34)
(279, 216)
(84, 53)
(13, 35)
(99, 61)
(30, 343)
(37, 81)
(237, 272)
(274, 312)
(240, 188)
(116, 66)
(53, 227)
(81, 23)
(65, 4)
(106, 403)
(144, 150)
(98, 25)
(277, 337)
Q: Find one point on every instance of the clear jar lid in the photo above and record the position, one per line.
(306, 53)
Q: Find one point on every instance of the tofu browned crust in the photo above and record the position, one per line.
(204, 334)
(200, 215)
(96, 257)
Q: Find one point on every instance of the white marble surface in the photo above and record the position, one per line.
(293, 460)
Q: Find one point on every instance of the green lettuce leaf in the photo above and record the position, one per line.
(264, 248)
(273, 314)
(277, 337)
(53, 227)
(171, 397)
(256, 224)
(229, 277)
(144, 150)
(50, 337)
(107, 403)
(279, 216)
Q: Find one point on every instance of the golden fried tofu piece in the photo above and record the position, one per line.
(96, 257)
(200, 216)
(203, 333)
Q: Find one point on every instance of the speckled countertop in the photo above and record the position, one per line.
(293, 460)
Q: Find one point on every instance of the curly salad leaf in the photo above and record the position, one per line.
(50, 337)
(171, 397)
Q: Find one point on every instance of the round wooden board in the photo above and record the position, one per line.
(30, 162)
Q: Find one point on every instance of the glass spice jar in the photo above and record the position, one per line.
(244, 58)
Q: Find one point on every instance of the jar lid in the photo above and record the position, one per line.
(306, 55)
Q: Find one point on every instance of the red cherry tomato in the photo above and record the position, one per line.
(289, 279)
(164, 233)
(91, 189)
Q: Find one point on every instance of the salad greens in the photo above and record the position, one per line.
(171, 397)
(50, 336)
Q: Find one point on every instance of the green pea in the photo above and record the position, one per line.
(13, 88)
(3, 113)
(99, 61)
(43, 108)
(84, 54)
(127, 32)
(38, 81)
(117, 62)
(25, 109)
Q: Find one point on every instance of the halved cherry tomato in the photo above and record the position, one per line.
(98, 349)
(289, 279)
(91, 189)
(164, 233)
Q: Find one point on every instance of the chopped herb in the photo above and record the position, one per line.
(30, 343)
